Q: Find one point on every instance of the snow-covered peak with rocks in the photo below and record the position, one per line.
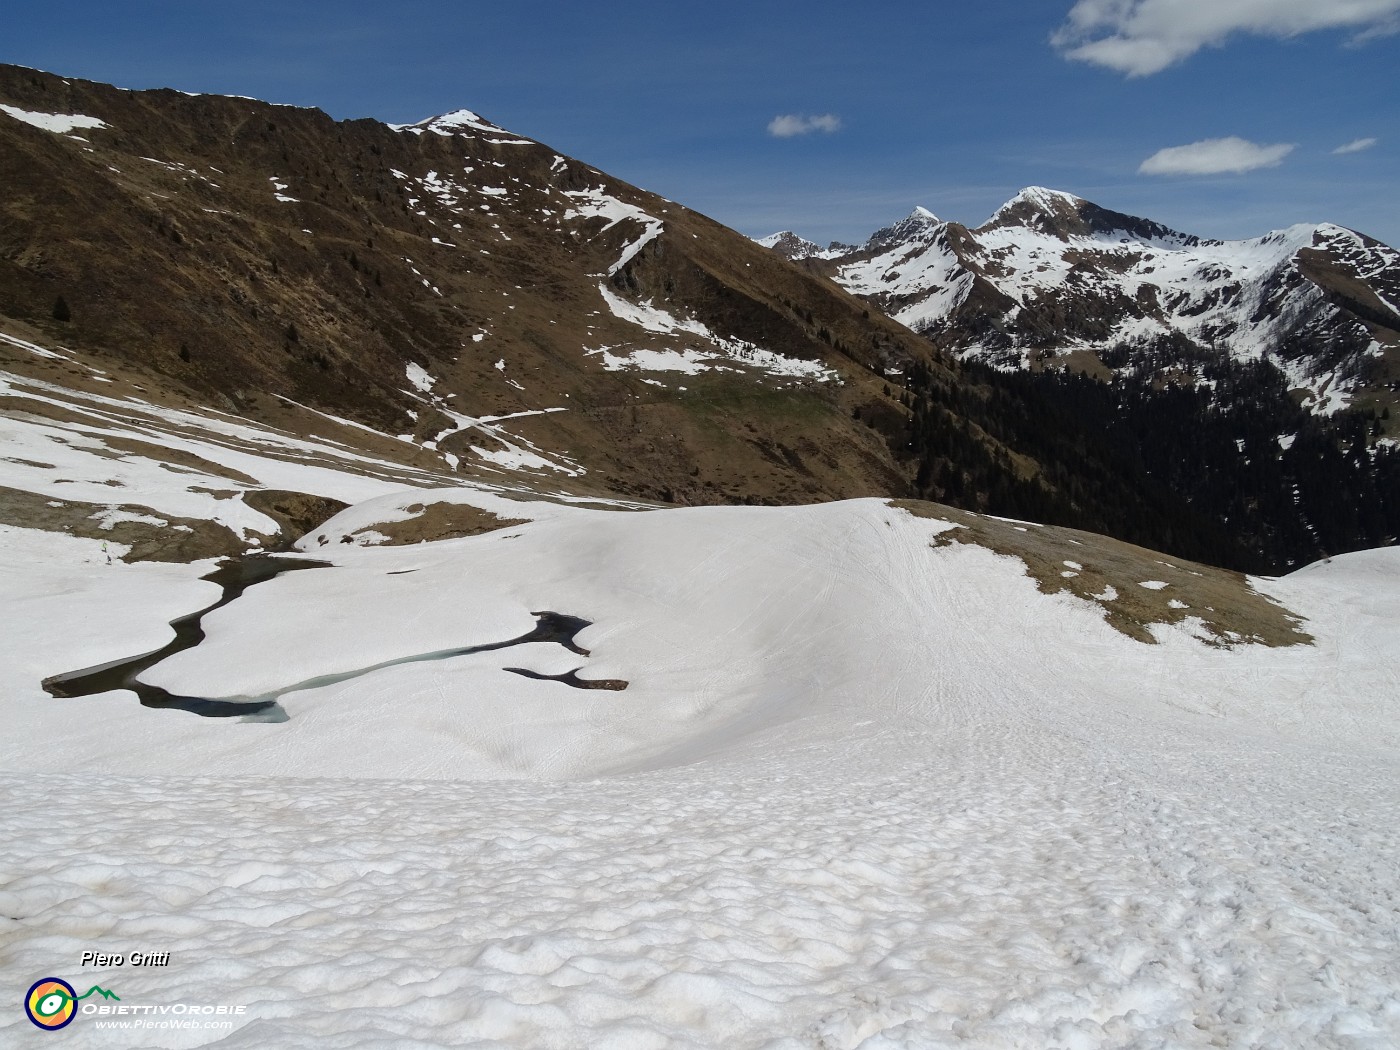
(457, 121)
(919, 225)
(790, 246)
(1035, 202)
(1051, 273)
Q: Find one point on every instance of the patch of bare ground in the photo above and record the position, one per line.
(432, 521)
(1135, 587)
(149, 535)
(1079, 359)
(296, 513)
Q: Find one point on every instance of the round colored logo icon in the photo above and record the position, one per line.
(51, 1003)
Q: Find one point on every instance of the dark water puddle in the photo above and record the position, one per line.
(235, 576)
(238, 575)
(549, 627)
(571, 678)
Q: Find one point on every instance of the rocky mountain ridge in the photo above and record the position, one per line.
(1051, 277)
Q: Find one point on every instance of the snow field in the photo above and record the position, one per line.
(730, 624)
(860, 793)
(859, 894)
(87, 455)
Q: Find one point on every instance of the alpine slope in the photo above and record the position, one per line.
(864, 775)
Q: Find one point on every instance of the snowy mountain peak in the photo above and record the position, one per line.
(459, 118)
(919, 225)
(1043, 210)
(790, 246)
(1066, 217)
(452, 123)
(1051, 272)
(1046, 198)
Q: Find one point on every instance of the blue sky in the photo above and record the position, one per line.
(950, 105)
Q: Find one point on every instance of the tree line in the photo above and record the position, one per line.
(1227, 468)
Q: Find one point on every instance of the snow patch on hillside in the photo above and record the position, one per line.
(419, 377)
(59, 123)
(278, 186)
(597, 203)
(720, 352)
(33, 348)
(511, 451)
(687, 362)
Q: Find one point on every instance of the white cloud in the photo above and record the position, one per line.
(1141, 37)
(1355, 146)
(790, 124)
(1215, 156)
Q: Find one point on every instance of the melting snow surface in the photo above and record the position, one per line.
(860, 792)
(110, 451)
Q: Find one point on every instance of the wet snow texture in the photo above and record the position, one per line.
(1033, 891)
(862, 792)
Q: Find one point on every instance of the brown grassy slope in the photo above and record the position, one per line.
(163, 235)
(1226, 608)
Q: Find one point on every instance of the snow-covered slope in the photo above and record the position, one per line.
(727, 622)
(865, 775)
(526, 764)
(1050, 273)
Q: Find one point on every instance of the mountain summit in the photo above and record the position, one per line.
(918, 225)
(1051, 275)
(790, 246)
(1064, 216)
